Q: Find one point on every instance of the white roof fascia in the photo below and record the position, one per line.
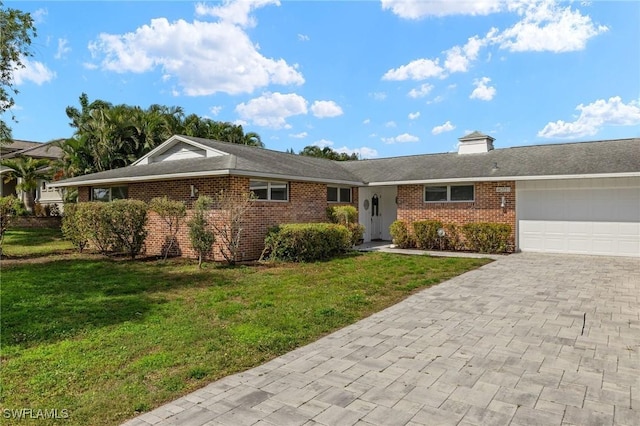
(503, 178)
(151, 178)
(203, 174)
(294, 178)
(171, 142)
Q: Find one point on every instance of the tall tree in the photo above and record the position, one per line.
(109, 136)
(328, 153)
(16, 32)
(29, 171)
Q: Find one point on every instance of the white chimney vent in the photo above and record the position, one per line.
(475, 143)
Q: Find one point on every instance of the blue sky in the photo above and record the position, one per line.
(377, 78)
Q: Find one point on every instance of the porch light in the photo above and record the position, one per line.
(194, 191)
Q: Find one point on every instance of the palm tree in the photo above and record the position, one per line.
(28, 171)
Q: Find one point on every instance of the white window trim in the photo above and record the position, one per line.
(338, 188)
(110, 188)
(269, 182)
(448, 200)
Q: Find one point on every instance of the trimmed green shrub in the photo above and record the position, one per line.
(487, 237)
(426, 234)
(306, 242)
(75, 226)
(452, 239)
(109, 227)
(126, 220)
(10, 207)
(400, 234)
(88, 224)
(200, 231)
(347, 216)
(342, 214)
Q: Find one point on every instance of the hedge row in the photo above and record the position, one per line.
(347, 216)
(118, 226)
(434, 235)
(306, 242)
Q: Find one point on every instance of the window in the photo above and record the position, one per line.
(109, 194)
(270, 191)
(439, 194)
(337, 194)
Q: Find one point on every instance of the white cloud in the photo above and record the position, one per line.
(324, 109)
(446, 127)
(378, 96)
(63, 49)
(459, 58)
(362, 152)
(414, 115)
(436, 100)
(323, 143)
(420, 69)
(543, 26)
(234, 12)
(421, 91)
(390, 124)
(403, 138)
(272, 109)
(300, 135)
(33, 71)
(593, 117)
(366, 121)
(39, 15)
(215, 110)
(482, 91)
(417, 9)
(303, 37)
(546, 26)
(204, 57)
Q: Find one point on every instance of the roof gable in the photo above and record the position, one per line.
(179, 148)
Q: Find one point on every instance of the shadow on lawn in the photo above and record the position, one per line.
(56, 300)
(32, 238)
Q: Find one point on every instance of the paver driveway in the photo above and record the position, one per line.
(505, 344)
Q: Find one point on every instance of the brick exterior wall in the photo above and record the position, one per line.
(485, 208)
(307, 203)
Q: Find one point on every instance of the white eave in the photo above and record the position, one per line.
(208, 173)
(503, 178)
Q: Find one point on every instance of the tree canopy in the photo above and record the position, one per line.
(109, 136)
(16, 32)
(328, 153)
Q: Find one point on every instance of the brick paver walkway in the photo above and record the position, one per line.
(526, 340)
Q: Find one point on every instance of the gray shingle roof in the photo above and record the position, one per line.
(37, 150)
(241, 160)
(584, 158)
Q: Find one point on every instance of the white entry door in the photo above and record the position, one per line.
(582, 216)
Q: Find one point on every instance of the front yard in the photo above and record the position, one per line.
(107, 339)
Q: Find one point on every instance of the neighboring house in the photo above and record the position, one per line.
(569, 198)
(45, 194)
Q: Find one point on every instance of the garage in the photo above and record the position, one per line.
(598, 216)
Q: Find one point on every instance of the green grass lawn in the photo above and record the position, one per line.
(23, 242)
(108, 339)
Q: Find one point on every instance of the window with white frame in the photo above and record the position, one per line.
(269, 190)
(445, 193)
(338, 194)
(109, 193)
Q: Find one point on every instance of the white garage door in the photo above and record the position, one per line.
(582, 216)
